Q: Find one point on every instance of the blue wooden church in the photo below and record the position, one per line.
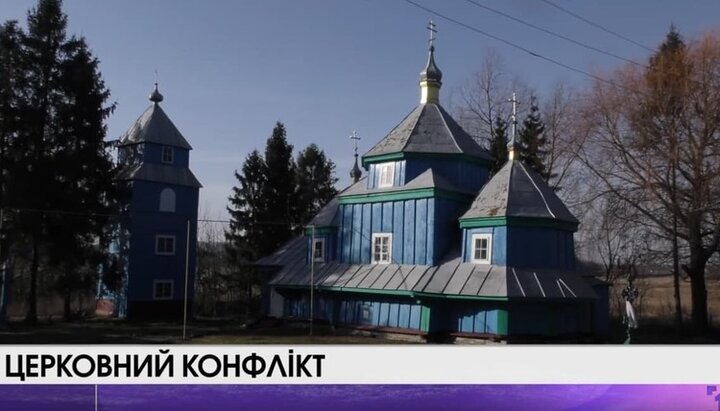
(427, 244)
(157, 237)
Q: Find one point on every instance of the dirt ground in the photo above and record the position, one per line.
(654, 309)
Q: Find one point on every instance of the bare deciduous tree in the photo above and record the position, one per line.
(654, 142)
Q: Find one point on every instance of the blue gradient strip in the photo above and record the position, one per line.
(359, 397)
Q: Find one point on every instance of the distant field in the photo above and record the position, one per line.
(656, 299)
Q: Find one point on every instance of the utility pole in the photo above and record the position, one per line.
(312, 276)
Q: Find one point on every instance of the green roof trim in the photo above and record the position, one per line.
(517, 222)
(398, 293)
(402, 155)
(401, 195)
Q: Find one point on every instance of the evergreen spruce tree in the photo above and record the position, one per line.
(279, 192)
(12, 82)
(498, 145)
(315, 183)
(532, 141)
(65, 161)
(247, 207)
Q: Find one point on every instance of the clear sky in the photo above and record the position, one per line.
(229, 69)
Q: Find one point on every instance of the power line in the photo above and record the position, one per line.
(519, 47)
(552, 33)
(596, 25)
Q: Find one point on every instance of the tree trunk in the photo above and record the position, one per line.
(31, 317)
(66, 305)
(676, 278)
(696, 271)
(6, 278)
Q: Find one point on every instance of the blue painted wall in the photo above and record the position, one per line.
(499, 243)
(423, 230)
(462, 174)
(411, 222)
(533, 247)
(152, 153)
(375, 311)
(466, 175)
(330, 246)
(398, 178)
(539, 247)
(550, 319)
(144, 223)
(477, 319)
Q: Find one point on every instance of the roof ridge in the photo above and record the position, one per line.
(547, 206)
(447, 127)
(417, 120)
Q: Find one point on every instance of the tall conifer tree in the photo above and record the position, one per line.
(66, 166)
(247, 208)
(532, 141)
(279, 192)
(12, 82)
(315, 183)
(498, 145)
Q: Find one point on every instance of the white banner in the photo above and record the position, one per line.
(352, 364)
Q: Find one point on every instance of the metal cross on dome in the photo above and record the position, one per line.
(355, 139)
(513, 116)
(431, 28)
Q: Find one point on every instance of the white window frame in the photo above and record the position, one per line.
(386, 170)
(320, 259)
(165, 237)
(167, 149)
(476, 237)
(172, 289)
(375, 237)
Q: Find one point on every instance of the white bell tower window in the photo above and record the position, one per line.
(167, 200)
(167, 155)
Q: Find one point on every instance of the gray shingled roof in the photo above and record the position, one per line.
(429, 129)
(517, 191)
(327, 215)
(452, 277)
(427, 179)
(159, 173)
(154, 126)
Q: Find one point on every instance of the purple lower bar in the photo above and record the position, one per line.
(359, 397)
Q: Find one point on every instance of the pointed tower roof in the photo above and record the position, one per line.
(428, 129)
(154, 126)
(518, 191)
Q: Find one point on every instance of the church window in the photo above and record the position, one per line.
(387, 174)
(318, 250)
(481, 248)
(167, 200)
(165, 245)
(382, 248)
(167, 155)
(163, 289)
